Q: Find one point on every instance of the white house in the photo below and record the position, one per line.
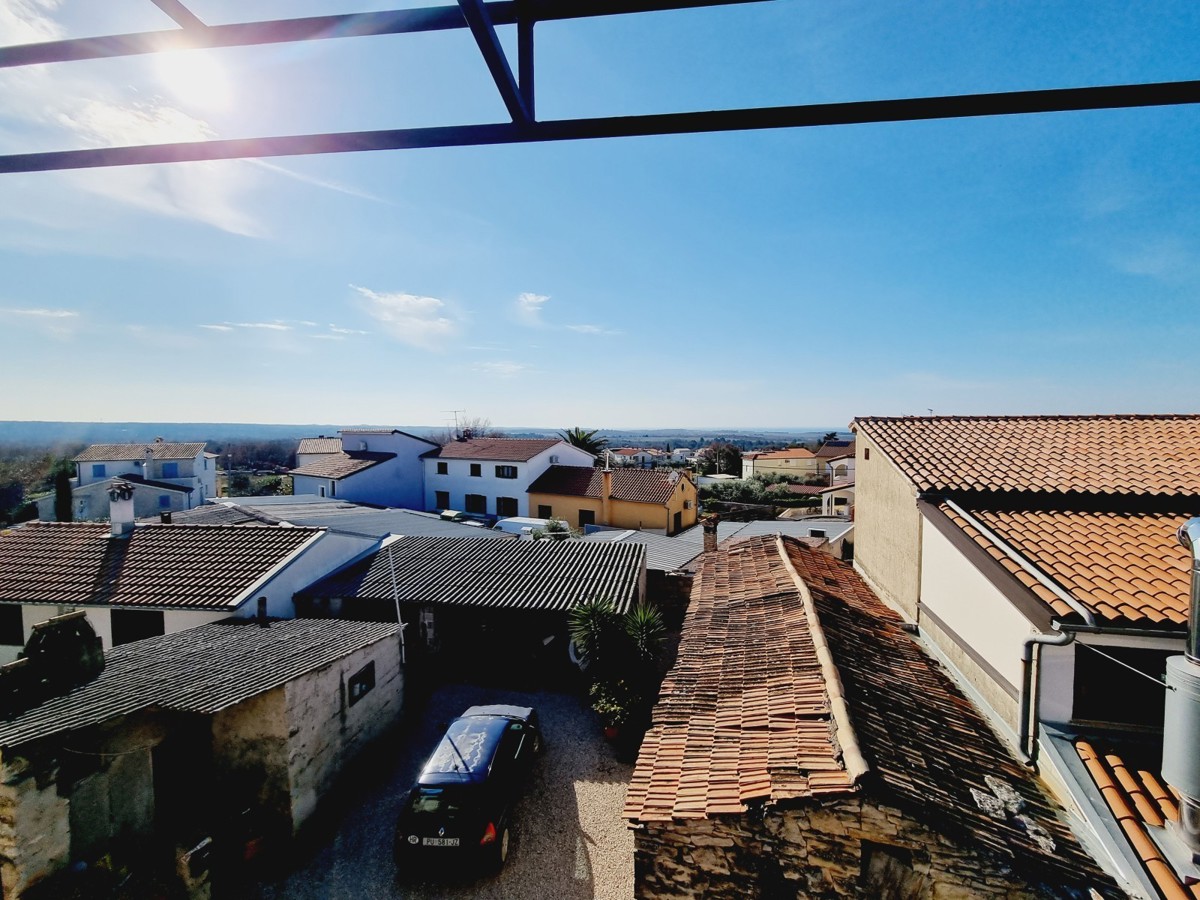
(839, 469)
(379, 466)
(491, 476)
(184, 465)
(634, 456)
(313, 450)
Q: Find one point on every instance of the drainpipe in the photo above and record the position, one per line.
(1181, 722)
(1031, 682)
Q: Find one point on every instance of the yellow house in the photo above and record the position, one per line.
(796, 462)
(648, 499)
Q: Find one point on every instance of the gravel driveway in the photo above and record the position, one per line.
(569, 840)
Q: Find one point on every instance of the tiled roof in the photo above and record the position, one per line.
(500, 449)
(1137, 800)
(544, 575)
(320, 445)
(217, 514)
(341, 465)
(104, 452)
(158, 566)
(793, 453)
(1134, 454)
(630, 485)
(135, 479)
(200, 670)
(844, 485)
(744, 716)
(835, 450)
(802, 489)
(1126, 569)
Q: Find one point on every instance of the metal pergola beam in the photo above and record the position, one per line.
(180, 14)
(312, 28)
(860, 112)
(493, 54)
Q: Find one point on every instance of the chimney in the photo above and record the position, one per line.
(606, 496)
(1181, 724)
(261, 618)
(120, 508)
(710, 532)
(165, 517)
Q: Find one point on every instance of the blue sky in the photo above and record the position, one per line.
(1039, 264)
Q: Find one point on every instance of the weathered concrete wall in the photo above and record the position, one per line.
(325, 732)
(887, 529)
(840, 849)
(250, 758)
(35, 836)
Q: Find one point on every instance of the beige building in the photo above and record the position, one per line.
(794, 463)
(662, 500)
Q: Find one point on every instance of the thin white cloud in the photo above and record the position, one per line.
(328, 337)
(592, 329)
(529, 309)
(218, 327)
(271, 326)
(424, 322)
(42, 313)
(327, 184)
(334, 329)
(501, 369)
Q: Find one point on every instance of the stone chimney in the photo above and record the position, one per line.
(710, 532)
(606, 496)
(120, 508)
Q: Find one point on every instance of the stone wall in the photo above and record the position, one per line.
(837, 849)
(670, 592)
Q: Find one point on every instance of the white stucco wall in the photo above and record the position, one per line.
(459, 482)
(976, 616)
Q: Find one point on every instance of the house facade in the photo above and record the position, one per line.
(1052, 584)
(188, 467)
(311, 450)
(378, 466)
(661, 500)
(232, 735)
(490, 477)
(794, 463)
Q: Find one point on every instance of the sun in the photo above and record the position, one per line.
(195, 78)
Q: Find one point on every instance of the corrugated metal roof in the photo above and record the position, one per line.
(200, 670)
(544, 575)
(662, 553)
(158, 450)
(352, 518)
(798, 528)
(157, 566)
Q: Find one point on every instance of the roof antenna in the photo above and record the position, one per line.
(930, 410)
(455, 412)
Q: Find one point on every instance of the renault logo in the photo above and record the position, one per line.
(442, 831)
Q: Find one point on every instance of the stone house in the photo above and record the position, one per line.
(188, 747)
(803, 745)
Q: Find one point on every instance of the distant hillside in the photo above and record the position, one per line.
(50, 434)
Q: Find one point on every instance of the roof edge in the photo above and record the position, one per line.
(856, 764)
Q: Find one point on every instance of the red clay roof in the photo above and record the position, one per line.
(158, 450)
(743, 717)
(1126, 569)
(630, 485)
(1137, 799)
(159, 566)
(793, 453)
(501, 449)
(341, 464)
(1115, 454)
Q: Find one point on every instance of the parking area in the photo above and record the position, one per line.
(569, 840)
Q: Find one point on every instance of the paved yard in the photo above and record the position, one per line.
(569, 840)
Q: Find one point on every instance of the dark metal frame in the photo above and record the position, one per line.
(482, 18)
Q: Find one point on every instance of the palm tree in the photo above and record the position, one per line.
(584, 440)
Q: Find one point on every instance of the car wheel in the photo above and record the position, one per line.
(502, 848)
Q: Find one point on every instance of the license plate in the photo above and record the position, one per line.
(439, 842)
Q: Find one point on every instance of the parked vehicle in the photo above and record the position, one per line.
(461, 806)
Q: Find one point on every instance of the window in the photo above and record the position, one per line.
(476, 470)
(164, 501)
(135, 625)
(506, 506)
(322, 489)
(443, 468)
(477, 503)
(506, 471)
(586, 517)
(206, 463)
(544, 511)
(97, 470)
(333, 489)
(361, 682)
(12, 628)
(170, 470)
(441, 499)
(866, 453)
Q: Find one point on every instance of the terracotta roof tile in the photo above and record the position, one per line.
(1116, 454)
(747, 644)
(630, 485)
(341, 464)
(158, 450)
(320, 445)
(159, 566)
(1098, 558)
(501, 449)
(1134, 798)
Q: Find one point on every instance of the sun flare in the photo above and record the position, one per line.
(195, 78)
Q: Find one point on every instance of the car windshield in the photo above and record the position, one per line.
(435, 800)
(467, 748)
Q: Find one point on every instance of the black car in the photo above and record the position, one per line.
(461, 806)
